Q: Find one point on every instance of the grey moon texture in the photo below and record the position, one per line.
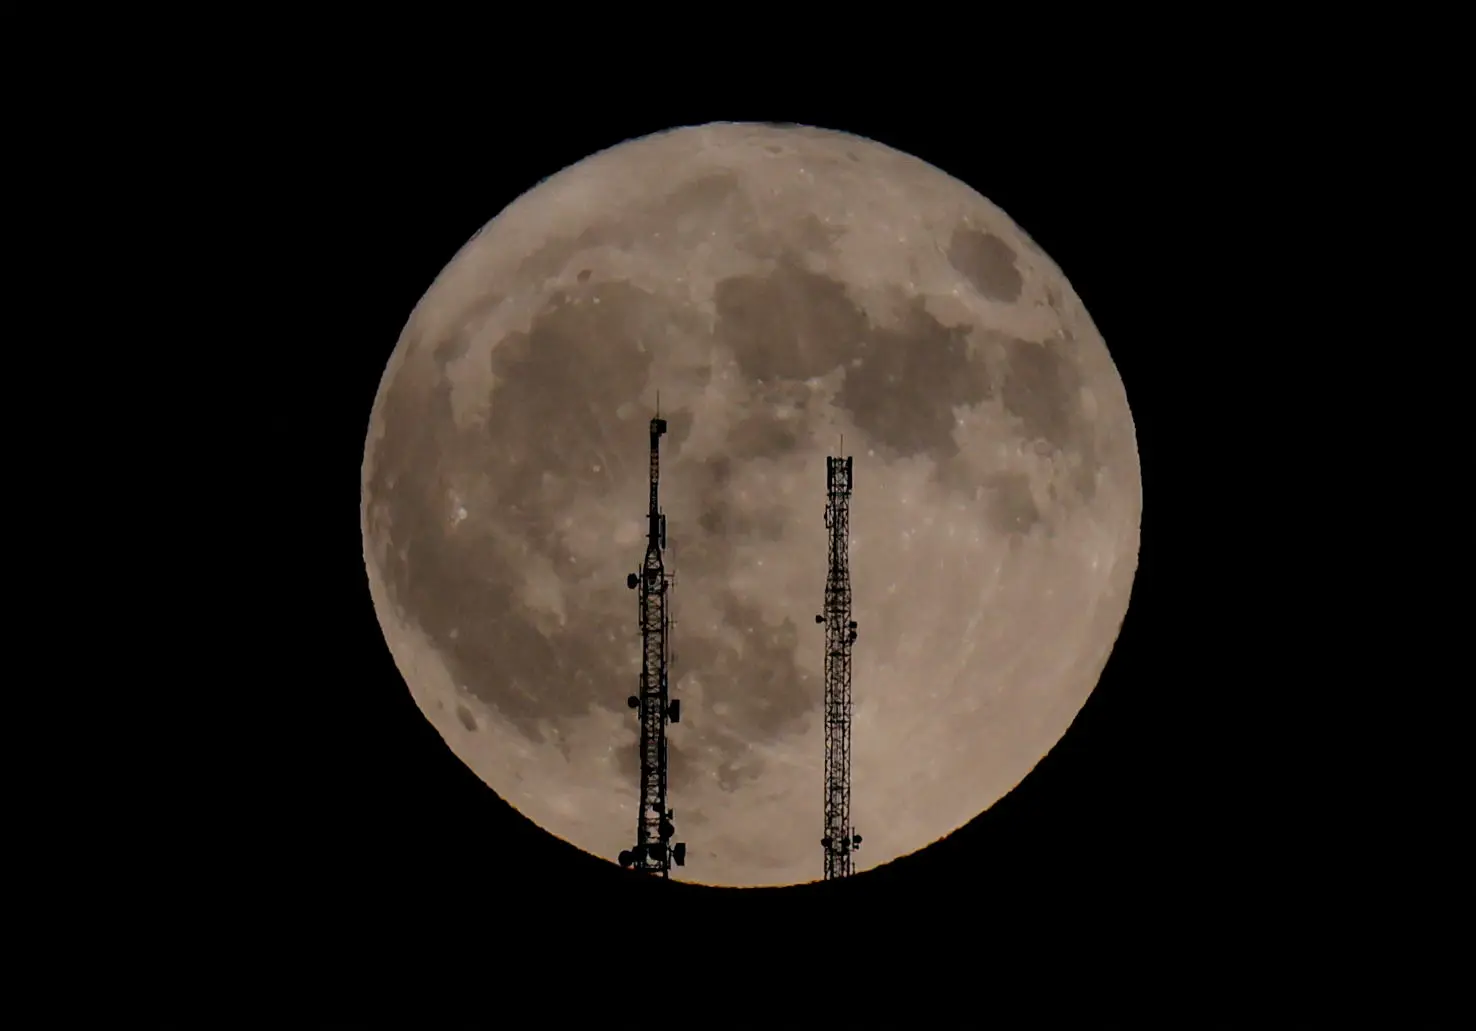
(780, 286)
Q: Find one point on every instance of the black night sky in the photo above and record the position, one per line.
(1182, 804)
(1140, 799)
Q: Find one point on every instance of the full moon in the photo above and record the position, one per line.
(781, 288)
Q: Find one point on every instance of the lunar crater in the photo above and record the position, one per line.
(465, 716)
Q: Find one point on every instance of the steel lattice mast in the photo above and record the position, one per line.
(840, 838)
(653, 851)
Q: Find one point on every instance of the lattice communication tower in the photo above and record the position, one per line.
(840, 839)
(654, 851)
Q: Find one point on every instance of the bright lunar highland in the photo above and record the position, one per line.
(780, 287)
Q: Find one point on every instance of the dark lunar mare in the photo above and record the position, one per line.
(562, 387)
(987, 262)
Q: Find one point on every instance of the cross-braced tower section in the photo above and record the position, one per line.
(654, 851)
(840, 839)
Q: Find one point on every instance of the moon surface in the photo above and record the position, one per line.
(780, 287)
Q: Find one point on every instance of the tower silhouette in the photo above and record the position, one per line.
(840, 839)
(654, 851)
